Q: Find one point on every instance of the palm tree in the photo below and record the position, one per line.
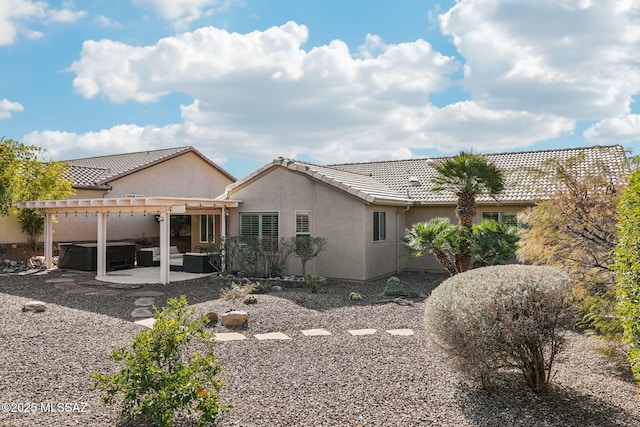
(468, 176)
(439, 238)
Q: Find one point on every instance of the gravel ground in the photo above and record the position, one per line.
(336, 380)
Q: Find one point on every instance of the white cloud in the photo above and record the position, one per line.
(561, 57)
(7, 107)
(260, 95)
(183, 12)
(532, 68)
(617, 130)
(15, 15)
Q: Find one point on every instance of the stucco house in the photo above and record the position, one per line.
(363, 209)
(181, 172)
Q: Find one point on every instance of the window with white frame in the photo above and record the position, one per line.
(261, 225)
(379, 226)
(509, 218)
(207, 228)
(303, 223)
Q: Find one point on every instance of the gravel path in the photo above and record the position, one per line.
(345, 380)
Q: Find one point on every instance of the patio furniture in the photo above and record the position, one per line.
(195, 262)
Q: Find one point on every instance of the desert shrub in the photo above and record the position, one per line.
(496, 317)
(257, 256)
(159, 377)
(627, 267)
(238, 291)
(313, 281)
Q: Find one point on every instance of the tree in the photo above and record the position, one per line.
(574, 227)
(307, 248)
(627, 267)
(468, 176)
(489, 242)
(24, 176)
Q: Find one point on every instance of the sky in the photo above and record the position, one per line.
(325, 81)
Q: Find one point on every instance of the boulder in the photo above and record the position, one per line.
(234, 318)
(212, 317)
(35, 306)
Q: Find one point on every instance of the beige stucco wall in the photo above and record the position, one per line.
(334, 215)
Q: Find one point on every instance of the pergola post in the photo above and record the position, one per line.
(48, 240)
(101, 255)
(165, 229)
(223, 238)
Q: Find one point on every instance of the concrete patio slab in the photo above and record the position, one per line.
(315, 332)
(229, 336)
(360, 332)
(272, 336)
(400, 332)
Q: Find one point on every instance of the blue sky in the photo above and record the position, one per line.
(245, 81)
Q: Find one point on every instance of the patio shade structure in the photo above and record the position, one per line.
(161, 206)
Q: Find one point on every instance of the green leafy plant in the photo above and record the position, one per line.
(627, 267)
(313, 281)
(162, 374)
(354, 296)
(488, 243)
(508, 316)
(250, 300)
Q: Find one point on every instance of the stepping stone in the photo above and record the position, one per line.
(360, 332)
(105, 292)
(229, 336)
(144, 302)
(66, 286)
(315, 332)
(145, 294)
(141, 312)
(61, 280)
(400, 332)
(94, 283)
(147, 323)
(272, 336)
(42, 273)
(125, 286)
(81, 290)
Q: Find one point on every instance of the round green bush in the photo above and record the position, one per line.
(507, 316)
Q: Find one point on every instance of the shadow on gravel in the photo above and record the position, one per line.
(515, 405)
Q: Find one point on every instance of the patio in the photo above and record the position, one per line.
(142, 275)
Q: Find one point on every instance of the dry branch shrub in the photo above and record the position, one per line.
(509, 316)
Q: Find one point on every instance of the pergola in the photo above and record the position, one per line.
(161, 206)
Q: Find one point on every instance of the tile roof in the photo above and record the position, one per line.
(408, 182)
(520, 186)
(97, 172)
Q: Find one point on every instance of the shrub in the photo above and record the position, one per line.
(627, 267)
(159, 378)
(509, 316)
(237, 291)
(313, 281)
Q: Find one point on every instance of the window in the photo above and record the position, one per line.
(508, 218)
(262, 226)
(303, 224)
(207, 233)
(379, 226)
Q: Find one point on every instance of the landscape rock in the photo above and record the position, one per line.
(234, 318)
(35, 306)
(213, 317)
